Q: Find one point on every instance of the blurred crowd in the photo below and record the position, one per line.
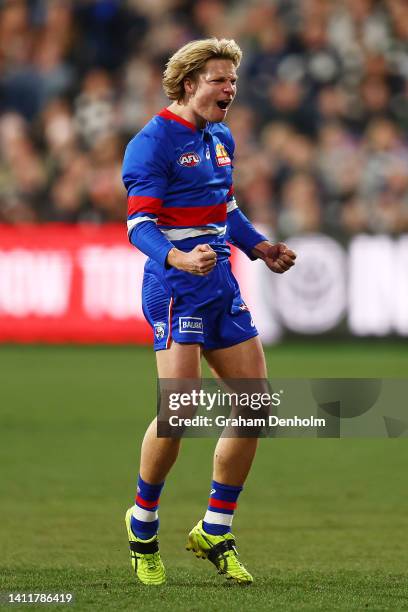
(320, 120)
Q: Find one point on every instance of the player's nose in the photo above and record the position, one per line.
(229, 89)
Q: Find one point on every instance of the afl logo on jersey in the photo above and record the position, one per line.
(189, 160)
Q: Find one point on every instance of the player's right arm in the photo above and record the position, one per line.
(146, 168)
(200, 261)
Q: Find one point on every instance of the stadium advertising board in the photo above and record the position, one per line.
(62, 283)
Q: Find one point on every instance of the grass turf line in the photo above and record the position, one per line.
(333, 512)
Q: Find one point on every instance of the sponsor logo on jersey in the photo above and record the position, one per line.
(222, 155)
(190, 325)
(189, 160)
(159, 330)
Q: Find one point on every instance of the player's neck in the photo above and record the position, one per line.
(186, 113)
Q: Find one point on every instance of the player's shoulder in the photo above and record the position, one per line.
(221, 130)
(223, 133)
(154, 135)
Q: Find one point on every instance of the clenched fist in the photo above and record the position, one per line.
(278, 257)
(200, 261)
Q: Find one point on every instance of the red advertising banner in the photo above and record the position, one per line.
(70, 283)
(82, 284)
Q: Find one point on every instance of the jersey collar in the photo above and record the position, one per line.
(166, 114)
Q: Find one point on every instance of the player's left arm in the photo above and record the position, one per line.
(278, 257)
(241, 233)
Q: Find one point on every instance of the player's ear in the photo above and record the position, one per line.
(190, 85)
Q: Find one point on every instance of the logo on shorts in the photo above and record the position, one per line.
(189, 160)
(190, 325)
(244, 307)
(222, 155)
(159, 330)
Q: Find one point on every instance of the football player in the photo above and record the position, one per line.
(182, 214)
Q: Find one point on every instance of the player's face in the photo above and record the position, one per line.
(213, 91)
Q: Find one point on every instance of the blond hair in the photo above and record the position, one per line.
(190, 60)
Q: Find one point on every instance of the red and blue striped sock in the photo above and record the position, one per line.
(145, 518)
(221, 507)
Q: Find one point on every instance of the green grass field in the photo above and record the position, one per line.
(321, 524)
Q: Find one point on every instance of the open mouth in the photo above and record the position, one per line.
(223, 104)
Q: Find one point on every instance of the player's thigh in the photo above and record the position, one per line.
(243, 360)
(179, 361)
